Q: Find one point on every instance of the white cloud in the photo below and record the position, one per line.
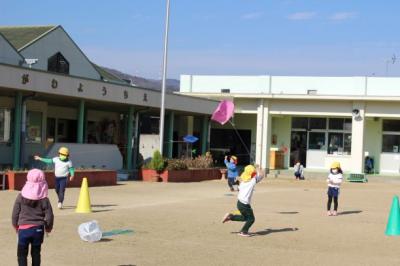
(251, 16)
(340, 16)
(302, 16)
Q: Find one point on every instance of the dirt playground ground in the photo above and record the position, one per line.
(180, 224)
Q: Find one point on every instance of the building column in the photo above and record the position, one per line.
(263, 136)
(266, 136)
(129, 137)
(81, 121)
(357, 138)
(170, 135)
(190, 123)
(17, 130)
(205, 134)
(259, 132)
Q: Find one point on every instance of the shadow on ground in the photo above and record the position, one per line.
(271, 231)
(350, 212)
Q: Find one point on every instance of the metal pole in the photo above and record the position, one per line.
(164, 77)
(129, 137)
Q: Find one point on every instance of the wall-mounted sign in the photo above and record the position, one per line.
(25, 78)
(125, 94)
(54, 84)
(145, 97)
(104, 91)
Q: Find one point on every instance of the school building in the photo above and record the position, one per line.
(316, 120)
(52, 94)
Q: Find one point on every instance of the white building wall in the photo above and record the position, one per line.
(292, 85)
(383, 86)
(281, 128)
(373, 140)
(322, 86)
(250, 84)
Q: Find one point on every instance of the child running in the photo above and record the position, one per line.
(334, 180)
(232, 171)
(62, 168)
(249, 178)
(32, 215)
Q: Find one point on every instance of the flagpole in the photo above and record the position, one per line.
(164, 77)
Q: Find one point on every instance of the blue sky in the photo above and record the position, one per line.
(227, 37)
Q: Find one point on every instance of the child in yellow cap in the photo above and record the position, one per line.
(249, 178)
(233, 173)
(62, 169)
(334, 180)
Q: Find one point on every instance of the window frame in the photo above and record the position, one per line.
(390, 133)
(58, 67)
(327, 131)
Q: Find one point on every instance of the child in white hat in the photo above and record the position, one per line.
(32, 215)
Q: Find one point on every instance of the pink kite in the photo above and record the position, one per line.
(223, 112)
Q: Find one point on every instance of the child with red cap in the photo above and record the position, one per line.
(248, 180)
(232, 170)
(32, 215)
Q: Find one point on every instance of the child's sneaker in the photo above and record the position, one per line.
(227, 217)
(329, 213)
(244, 234)
(60, 205)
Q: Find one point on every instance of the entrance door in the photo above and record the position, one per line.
(298, 147)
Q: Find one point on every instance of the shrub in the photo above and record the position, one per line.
(176, 164)
(200, 162)
(157, 162)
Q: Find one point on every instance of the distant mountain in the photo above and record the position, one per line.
(172, 84)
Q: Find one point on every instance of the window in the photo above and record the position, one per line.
(338, 131)
(391, 136)
(5, 125)
(347, 143)
(34, 127)
(57, 63)
(340, 124)
(316, 141)
(391, 125)
(390, 143)
(339, 143)
(51, 130)
(300, 122)
(317, 123)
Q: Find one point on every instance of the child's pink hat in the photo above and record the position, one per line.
(35, 187)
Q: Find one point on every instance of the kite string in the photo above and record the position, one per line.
(241, 140)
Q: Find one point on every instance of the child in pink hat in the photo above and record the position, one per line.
(32, 215)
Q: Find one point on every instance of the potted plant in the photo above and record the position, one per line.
(154, 170)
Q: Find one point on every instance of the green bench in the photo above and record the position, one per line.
(357, 178)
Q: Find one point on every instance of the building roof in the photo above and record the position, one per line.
(20, 36)
(107, 76)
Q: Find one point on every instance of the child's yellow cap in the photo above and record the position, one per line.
(248, 173)
(234, 158)
(335, 165)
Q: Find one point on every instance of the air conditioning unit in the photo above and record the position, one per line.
(225, 90)
(312, 92)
